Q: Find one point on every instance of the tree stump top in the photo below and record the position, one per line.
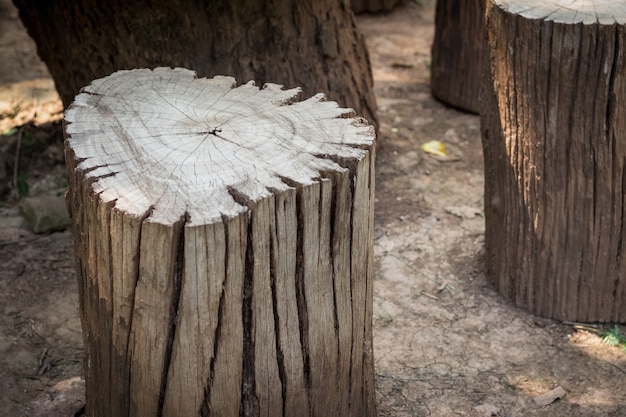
(170, 144)
(588, 12)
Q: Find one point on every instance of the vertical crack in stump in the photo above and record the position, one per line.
(622, 225)
(303, 318)
(610, 108)
(205, 409)
(249, 400)
(280, 358)
(177, 277)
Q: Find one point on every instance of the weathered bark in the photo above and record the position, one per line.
(224, 243)
(374, 6)
(310, 44)
(458, 53)
(554, 138)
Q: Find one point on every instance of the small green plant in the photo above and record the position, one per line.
(386, 319)
(613, 337)
(22, 185)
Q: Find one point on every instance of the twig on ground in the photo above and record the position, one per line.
(17, 158)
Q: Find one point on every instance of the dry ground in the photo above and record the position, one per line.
(446, 343)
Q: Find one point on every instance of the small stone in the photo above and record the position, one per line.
(487, 410)
(45, 214)
(550, 396)
(67, 398)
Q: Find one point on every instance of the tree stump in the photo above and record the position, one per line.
(458, 53)
(224, 241)
(374, 6)
(554, 138)
(314, 45)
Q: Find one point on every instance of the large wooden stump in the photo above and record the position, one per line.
(458, 53)
(224, 242)
(554, 137)
(314, 45)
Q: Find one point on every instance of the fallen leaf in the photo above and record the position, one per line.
(434, 147)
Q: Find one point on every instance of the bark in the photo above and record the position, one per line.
(313, 45)
(458, 53)
(554, 139)
(374, 6)
(224, 243)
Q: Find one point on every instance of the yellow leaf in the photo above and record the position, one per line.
(434, 147)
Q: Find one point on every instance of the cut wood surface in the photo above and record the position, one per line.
(588, 12)
(554, 137)
(224, 240)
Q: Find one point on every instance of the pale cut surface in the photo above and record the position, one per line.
(176, 153)
(588, 12)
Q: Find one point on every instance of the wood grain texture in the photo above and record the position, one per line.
(224, 240)
(554, 138)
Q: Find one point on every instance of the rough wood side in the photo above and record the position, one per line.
(554, 136)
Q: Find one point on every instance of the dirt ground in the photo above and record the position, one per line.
(446, 344)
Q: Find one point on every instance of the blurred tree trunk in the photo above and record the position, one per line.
(374, 6)
(458, 53)
(313, 45)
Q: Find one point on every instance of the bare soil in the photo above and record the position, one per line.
(446, 344)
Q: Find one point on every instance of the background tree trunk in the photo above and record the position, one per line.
(458, 53)
(554, 138)
(374, 6)
(310, 44)
(224, 243)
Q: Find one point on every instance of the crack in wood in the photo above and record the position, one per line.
(610, 107)
(205, 409)
(249, 400)
(280, 358)
(303, 318)
(177, 278)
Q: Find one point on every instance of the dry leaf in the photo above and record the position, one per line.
(434, 147)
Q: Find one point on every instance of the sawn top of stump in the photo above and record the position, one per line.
(166, 141)
(588, 12)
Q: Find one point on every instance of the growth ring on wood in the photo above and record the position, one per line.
(206, 139)
(604, 12)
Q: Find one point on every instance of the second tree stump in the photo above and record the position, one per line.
(554, 138)
(224, 241)
(458, 53)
